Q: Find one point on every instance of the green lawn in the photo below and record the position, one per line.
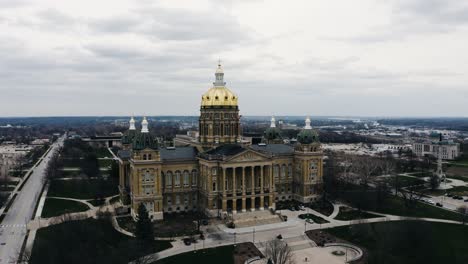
(97, 202)
(396, 206)
(409, 242)
(105, 163)
(217, 255)
(83, 188)
(347, 214)
(459, 190)
(405, 181)
(56, 207)
(87, 241)
(316, 219)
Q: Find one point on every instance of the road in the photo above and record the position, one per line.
(13, 227)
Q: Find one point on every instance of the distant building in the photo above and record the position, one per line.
(450, 149)
(104, 141)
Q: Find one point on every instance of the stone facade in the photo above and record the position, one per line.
(218, 174)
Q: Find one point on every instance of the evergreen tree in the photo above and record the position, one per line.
(144, 228)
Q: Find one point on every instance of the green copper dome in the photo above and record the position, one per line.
(144, 140)
(272, 133)
(307, 136)
(128, 136)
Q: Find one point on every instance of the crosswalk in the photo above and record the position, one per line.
(14, 225)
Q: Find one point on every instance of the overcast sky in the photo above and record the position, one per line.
(141, 57)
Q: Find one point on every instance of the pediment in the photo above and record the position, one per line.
(248, 155)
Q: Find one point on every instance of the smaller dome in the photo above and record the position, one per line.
(272, 133)
(144, 140)
(128, 136)
(307, 136)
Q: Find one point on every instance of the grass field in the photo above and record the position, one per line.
(83, 189)
(405, 181)
(347, 214)
(459, 190)
(208, 256)
(56, 207)
(409, 242)
(87, 241)
(396, 206)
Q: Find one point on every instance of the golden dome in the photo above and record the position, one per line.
(219, 94)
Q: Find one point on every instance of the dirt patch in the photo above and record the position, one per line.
(245, 251)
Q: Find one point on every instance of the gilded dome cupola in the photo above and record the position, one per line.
(219, 94)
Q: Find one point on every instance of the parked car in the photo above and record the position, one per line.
(310, 221)
(430, 201)
(187, 241)
(302, 208)
(466, 200)
(279, 236)
(449, 195)
(292, 208)
(439, 204)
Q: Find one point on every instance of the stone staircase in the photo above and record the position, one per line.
(248, 219)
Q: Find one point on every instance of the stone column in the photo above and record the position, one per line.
(261, 179)
(234, 191)
(253, 179)
(224, 202)
(243, 204)
(224, 182)
(234, 184)
(252, 203)
(262, 202)
(243, 181)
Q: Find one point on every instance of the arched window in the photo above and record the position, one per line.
(186, 178)
(177, 179)
(149, 156)
(290, 171)
(276, 172)
(214, 186)
(169, 179)
(144, 156)
(194, 177)
(147, 176)
(283, 171)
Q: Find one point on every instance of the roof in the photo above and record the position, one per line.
(124, 154)
(226, 150)
(179, 153)
(275, 149)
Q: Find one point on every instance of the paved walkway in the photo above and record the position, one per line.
(293, 228)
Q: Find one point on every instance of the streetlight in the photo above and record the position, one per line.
(253, 231)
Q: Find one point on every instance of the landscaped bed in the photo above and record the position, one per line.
(316, 219)
(347, 214)
(55, 207)
(87, 241)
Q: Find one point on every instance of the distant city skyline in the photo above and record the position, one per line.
(398, 58)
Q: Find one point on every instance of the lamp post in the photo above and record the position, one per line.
(253, 230)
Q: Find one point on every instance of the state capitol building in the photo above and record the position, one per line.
(220, 172)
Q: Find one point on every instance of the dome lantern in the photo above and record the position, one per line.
(132, 124)
(144, 125)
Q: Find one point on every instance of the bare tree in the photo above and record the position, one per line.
(464, 211)
(365, 167)
(278, 252)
